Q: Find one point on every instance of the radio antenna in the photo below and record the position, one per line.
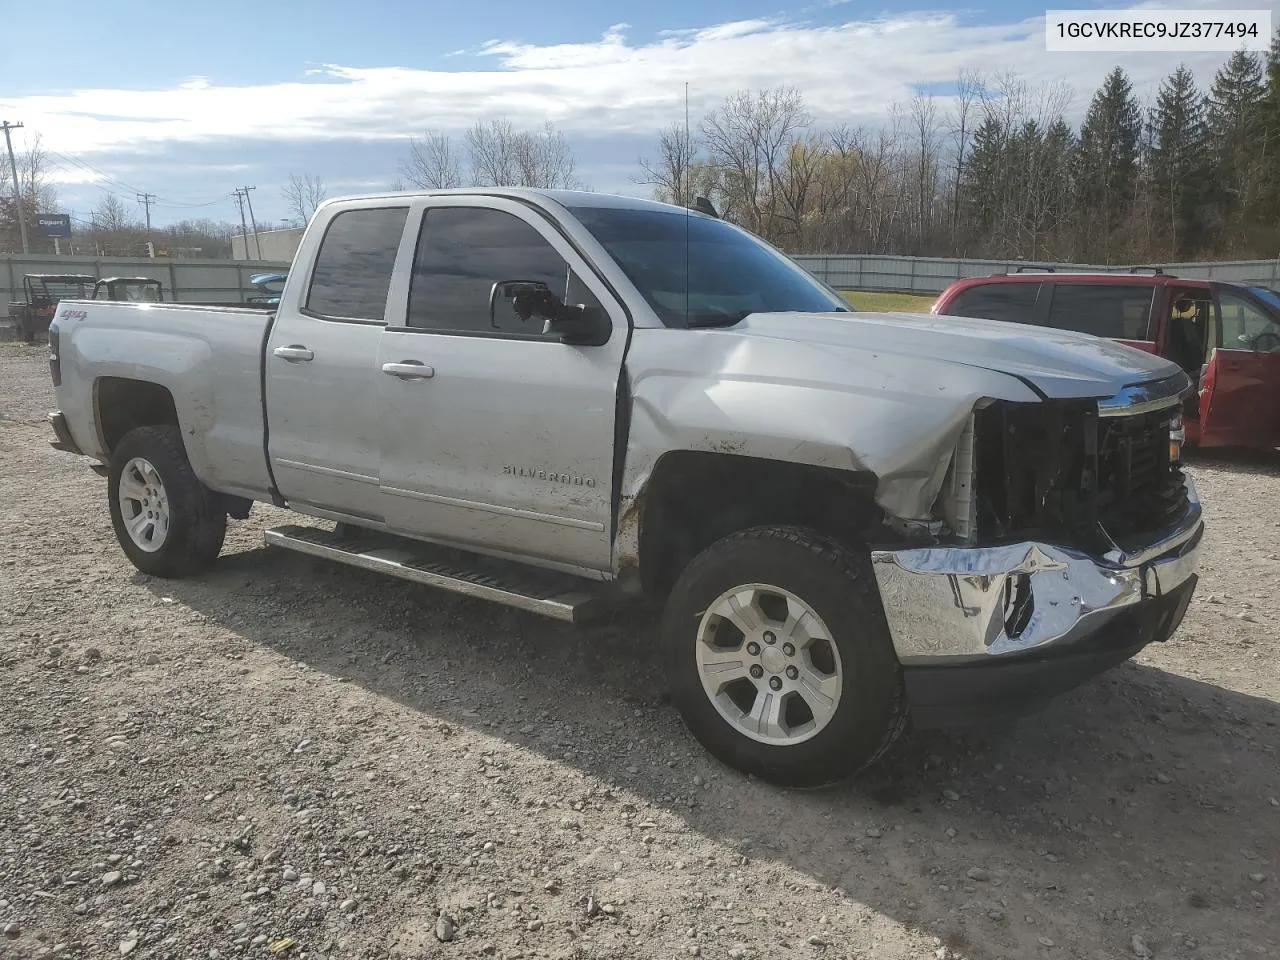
(688, 199)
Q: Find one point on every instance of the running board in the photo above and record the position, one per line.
(556, 595)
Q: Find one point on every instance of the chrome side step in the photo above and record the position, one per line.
(556, 595)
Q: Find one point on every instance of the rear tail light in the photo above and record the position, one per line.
(55, 362)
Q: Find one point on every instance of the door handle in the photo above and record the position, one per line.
(409, 370)
(294, 353)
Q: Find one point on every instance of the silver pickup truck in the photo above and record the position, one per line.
(563, 400)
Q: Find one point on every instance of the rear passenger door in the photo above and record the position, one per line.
(496, 435)
(320, 365)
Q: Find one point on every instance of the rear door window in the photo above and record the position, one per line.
(1119, 311)
(353, 267)
(1010, 302)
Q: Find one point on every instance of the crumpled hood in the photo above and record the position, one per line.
(887, 394)
(1060, 364)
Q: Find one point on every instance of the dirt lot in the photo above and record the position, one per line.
(290, 749)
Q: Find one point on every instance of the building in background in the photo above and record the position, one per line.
(276, 245)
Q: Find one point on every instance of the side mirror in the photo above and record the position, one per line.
(575, 324)
(528, 298)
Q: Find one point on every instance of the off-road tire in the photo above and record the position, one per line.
(837, 583)
(196, 525)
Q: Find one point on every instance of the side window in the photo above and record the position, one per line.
(354, 264)
(1010, 302)
(1242, 321)
(1190, 330)
(1117, 310)
(463, 252)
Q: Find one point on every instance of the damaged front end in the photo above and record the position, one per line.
(1073, 531)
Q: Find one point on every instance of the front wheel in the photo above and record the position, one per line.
(779, 657)
(166, 520)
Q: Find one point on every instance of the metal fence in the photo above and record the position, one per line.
(931, 275)
(195, 280)
(183, 280)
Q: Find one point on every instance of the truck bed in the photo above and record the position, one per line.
(209, 359)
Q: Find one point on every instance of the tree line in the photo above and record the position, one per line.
(1000, 172)
(993, 170)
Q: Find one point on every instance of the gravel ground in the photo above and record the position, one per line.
(289, 749)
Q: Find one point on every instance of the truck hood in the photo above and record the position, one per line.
(1060, 364)
(886, 394)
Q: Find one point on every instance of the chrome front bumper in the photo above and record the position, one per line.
(986, 603)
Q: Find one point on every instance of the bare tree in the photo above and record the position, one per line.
(924, 118)
(433, 163)
(670, 174)
(969, 88)
(303, 194)
(544, 160)
(38, 194)
(112, 216)
(501, 156)
(749, 136)
(490, 151)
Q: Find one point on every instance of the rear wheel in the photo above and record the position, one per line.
(166, 520)
(779, 657)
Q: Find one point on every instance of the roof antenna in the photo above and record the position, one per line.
(687, 215)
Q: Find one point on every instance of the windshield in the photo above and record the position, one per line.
(733, 274)
(1268, 296)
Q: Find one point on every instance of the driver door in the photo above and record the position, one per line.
(1240, 396)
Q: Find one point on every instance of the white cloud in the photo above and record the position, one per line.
(849, 72)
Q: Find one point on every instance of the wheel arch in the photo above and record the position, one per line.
(692, 498)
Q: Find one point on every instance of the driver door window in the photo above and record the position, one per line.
(462, 252)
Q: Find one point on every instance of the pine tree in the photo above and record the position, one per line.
(981, 187)
(1058, 149)
(1236, 131)
(1271, 140)
(1179, 161)
(1107, 163)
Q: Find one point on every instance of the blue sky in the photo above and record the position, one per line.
(190, 100)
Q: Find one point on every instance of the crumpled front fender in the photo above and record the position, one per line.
(720, 392)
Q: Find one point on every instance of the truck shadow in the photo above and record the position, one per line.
(1143, 799)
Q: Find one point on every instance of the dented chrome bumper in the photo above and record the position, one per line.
(975, 604)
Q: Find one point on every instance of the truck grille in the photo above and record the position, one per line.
(1058, 471)
(1139, 490)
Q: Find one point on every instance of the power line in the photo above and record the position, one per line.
(86, 167)
(17, 187)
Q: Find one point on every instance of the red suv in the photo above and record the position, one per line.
(1225, 334)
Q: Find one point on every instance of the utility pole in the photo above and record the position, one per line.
(17, 187)
(256, 241)
(244, 228)
(147, 199)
